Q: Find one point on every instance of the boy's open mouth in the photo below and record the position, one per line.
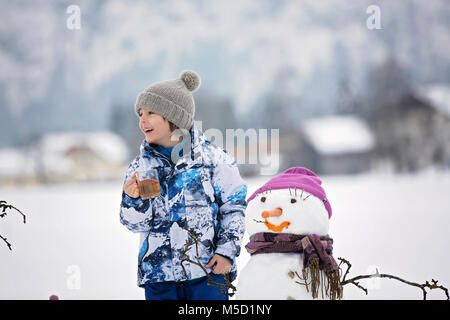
(148, 130)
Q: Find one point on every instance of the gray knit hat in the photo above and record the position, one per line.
(172, 99)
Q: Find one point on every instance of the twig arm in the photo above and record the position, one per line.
(224, 287)
(423, 286)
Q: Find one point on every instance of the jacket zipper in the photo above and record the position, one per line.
(167, 192)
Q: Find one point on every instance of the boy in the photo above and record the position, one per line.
(201, 190)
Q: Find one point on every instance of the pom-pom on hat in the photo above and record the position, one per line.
(300, 178)
(172, 99)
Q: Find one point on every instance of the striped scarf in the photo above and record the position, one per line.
(317, 258)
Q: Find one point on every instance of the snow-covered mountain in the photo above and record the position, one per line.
(72, 77)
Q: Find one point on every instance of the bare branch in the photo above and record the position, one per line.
(349, 265)
(7, 243)
(423, 286)
(224, 287)
(3, 206)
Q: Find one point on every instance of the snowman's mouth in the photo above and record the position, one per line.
(258, 221)
(276, 228)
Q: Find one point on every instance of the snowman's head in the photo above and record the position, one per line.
(278, 207)
(283, 211)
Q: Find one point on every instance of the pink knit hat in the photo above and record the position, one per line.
(300, 178)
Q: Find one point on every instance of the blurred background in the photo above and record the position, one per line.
(360, 93)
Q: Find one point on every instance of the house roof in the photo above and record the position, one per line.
(338, 134)
(437, 95)
(107, 145)
(50, 154)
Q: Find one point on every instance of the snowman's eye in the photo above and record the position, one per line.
(263, 199)
(293, 200)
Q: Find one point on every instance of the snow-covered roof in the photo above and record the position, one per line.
(437, 95)
(338, 134)
(106, 145)
(51, 153)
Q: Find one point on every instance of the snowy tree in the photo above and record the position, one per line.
(280, 107)
(215, 111)
(409, 131)
(125, 123)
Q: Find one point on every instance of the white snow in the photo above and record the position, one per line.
(338, 134)
(15, 163)
(398, 223)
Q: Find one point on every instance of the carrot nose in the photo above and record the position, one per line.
(272, 213)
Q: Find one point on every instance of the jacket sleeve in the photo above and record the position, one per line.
(135, 213)
(230, 191)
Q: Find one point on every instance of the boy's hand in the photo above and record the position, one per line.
(131, 188)
(223, 265)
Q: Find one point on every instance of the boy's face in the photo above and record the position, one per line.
(155, 128)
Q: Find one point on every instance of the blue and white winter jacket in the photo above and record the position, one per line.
(203, 191)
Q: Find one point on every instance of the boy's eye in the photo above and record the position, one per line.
(263, 199)
(293, 200)
(149, 112)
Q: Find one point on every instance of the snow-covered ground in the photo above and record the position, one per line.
(74, 246)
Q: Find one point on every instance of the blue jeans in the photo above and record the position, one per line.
(196, 289)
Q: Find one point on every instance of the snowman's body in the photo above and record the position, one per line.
(268, 275)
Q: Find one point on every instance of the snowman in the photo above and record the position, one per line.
(287, 220)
